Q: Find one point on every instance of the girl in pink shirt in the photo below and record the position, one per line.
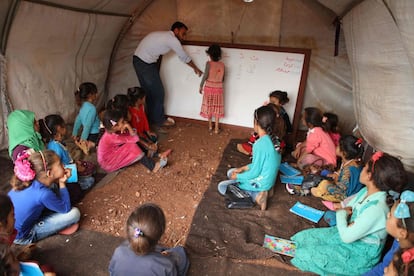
(318, 148)
(118, 146)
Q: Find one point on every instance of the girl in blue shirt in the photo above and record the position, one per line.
(258, 177)
(40, 212)
(87, 117)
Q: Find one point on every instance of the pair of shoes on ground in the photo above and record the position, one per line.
(163, 161)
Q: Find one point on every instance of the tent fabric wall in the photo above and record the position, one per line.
(381, 55)
(49, 56)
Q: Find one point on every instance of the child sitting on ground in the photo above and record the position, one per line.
(23, 131)
(139, 121)
(400, 225)
(53, 131)
(87, 118)
(258, 178)
(330, 125)
(10, 256)
(141, 254)
(318, 149)
(118, 149)
(360, 233)
(345, 182)
(39, 212)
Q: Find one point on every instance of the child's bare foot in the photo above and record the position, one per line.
(160, 164)
(165, 154)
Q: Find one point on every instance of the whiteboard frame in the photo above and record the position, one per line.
(302, 83)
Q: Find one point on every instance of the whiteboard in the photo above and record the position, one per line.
(250, 75)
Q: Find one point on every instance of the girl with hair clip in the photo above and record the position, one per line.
(23, 131)
(120, 102)
(400, 225)
(346, 181)
(141, 254)
(330, 125)
(53, 131)
(318, 148)
(280, 98)
(87, 118)
(139, 121)
(118, 146)
(211, 87)
(258, 178)
(355, 244)
(39, 212)
(402, 264)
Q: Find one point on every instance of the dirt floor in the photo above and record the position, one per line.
(177, 188)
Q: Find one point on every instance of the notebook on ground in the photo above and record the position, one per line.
(279, 245)
(307, 212)
(288, 170)
(296, 179)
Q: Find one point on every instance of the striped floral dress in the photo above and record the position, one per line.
(212, 83)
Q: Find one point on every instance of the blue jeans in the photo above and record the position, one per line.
(222, 186)
(50, 224)
(150, 80)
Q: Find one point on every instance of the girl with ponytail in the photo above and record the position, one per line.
(258, 177)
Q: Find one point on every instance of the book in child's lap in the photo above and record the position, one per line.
(279, 245)
(307, 212)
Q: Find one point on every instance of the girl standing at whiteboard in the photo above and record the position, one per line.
(212, 88)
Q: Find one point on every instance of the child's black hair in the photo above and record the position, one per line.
(265, 118)
(330, 124)
(6, 206)
(351, 147)
(134, 94)
(214, 51)
(119, 102)
(111, 117)
(313, 116)
(85, 90)
(387, 172)
(40, 163)
(403, 268)
(9, 265)
(48, 126)
(279, 126)
(145, 226)
(282, 96)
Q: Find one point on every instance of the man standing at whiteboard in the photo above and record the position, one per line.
(151, 47)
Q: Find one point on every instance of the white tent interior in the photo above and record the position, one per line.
(49, 47)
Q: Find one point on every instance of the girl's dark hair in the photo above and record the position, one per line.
(39, 165)
(351, 147)
(282, 96)
(134, 94)
(313, 116)
(405, 269)
(279, 125)
(111, 117)
(387, 172)
(8, 262)
(119, 102)
(214, 51)
(408, 222)
(331, 122)
(265, 118)
(86, 89)
(145, 226)
(48, 126)
(6, 206)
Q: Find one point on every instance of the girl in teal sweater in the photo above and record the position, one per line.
(258, 177)
(355, 244)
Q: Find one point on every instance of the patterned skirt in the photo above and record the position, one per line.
(213, 103)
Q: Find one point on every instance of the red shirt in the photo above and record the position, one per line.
(139, 120)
